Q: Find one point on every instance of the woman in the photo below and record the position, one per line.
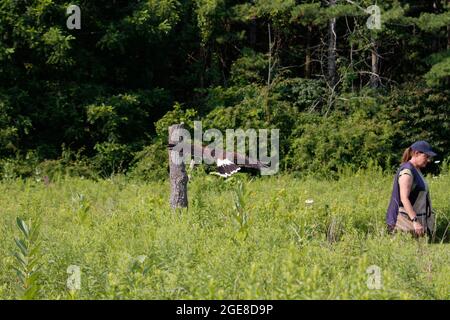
(410, 206)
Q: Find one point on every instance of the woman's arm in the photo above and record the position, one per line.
(405, 182)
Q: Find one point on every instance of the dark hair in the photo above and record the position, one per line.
(407, 154)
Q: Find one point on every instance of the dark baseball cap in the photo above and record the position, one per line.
(423, 146)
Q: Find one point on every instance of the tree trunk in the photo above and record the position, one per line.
(374, 77)
(332, 49)
(269, 73)
(178, 175)
(203, 59)
(253, 33)
(308, 53)
(351, 66)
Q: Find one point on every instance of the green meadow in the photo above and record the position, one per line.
(278, 237)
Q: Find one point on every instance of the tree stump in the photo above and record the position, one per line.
(178, 175)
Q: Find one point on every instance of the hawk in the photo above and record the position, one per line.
(228, 163)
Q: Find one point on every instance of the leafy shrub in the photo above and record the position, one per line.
(70, 163)
(126, 118)
(420, 113)
(250, 68)
(326, 145)
(302, 94)
(8, 133)
(175, 116)
(439, 74)
(54, 169)
(19, 167)
(150, 164)
(111, 158)
(27, 259)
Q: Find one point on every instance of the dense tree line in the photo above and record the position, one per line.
(101, 97)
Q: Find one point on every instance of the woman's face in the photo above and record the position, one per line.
(421, 159)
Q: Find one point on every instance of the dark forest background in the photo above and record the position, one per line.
(98, 100)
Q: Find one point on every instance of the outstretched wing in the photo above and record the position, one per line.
(228, 163)
(246, 162)
(226, 168)
(237, 160)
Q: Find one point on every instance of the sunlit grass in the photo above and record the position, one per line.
(130, 245)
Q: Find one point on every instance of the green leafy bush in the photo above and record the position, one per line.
(19, 167)
(250, 68)
(325, 145)
(175, 116)
(420, 113)
(111, 158)
(151, 164)
(27, 258)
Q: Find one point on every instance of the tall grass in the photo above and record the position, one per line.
(240, 239)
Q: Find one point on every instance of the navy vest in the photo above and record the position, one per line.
(395, 203)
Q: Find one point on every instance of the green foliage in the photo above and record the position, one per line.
(58, 45)
(98, 101)
(273, 8)
(111, 158)
(81, 207)
(420, 113)
(108, 90)
(308, 13)
(252, 106)
(207, 12)
(70, 163)
(245, 108)
(175, 116)
(239, 212)
(150, 20)
(433, 22)
(302, 94)
(439, 73)
(125, 117)
(151, 164)
(352, 139)
(19, 166)
(27, 260)
(250, 68)
(131, 246)
(8, 133)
